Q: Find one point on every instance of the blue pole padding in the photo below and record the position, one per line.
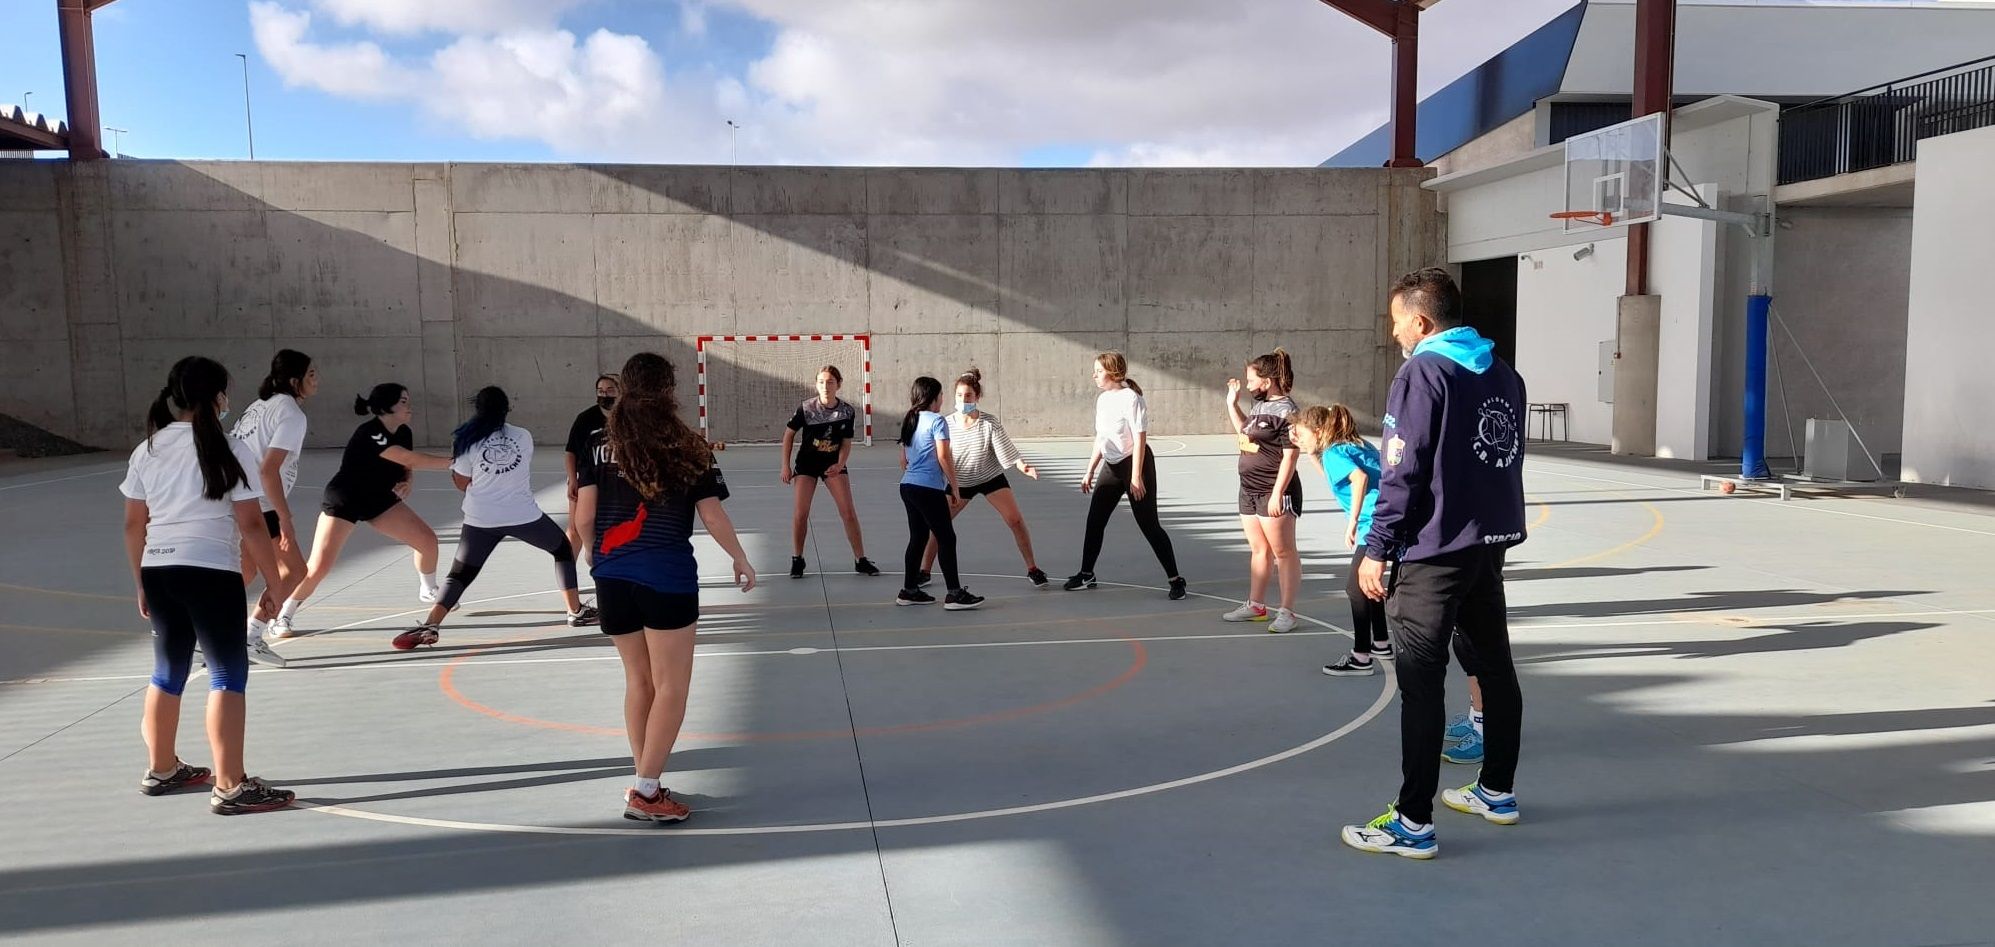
(1752, 459)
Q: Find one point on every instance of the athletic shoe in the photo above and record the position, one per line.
(962, 600)
(182, 777)
(587, 617)
(1465, 752)
(415, 637)
(659, 808)
(1382, 650)
(796, 567)
(1351, 667)
(914, 597)
(1079, 581)
(261, 653)
(251, 795)
(1387, 835)
(922, 579)
(1460, 728)
(1475, 800)
(865, 566)
(1246, 612)
(1178, 590)
(427, 595)
(1036, 577)
(281, 628)
(1284, 622)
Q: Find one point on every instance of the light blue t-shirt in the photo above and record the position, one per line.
(1339, 461)
(924, 469)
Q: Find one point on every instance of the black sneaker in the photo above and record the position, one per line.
(1079, 581)
(865, 566)
(1381, 650)
(914, 597)
(922, 580)
(962, 600)
(1178, 589)
(1350, 666)
(1036, 577)
(586, 617)
(253, 795)
(796, 567)
(182, 777)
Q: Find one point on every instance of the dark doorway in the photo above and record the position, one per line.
(1489, 301)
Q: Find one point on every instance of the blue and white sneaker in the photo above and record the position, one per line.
(1467, 751)
(1387, 835)
(1475, 800)
(1460, 729)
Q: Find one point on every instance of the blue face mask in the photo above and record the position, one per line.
(967, 407)
(222, 415)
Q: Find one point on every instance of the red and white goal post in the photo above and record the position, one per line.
(766, 386)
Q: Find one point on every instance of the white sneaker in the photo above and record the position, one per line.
(261, 652)
(1246, 613)
(1284, 621)
(280, 628)
(427, 595)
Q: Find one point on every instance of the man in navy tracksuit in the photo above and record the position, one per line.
(1451, 503)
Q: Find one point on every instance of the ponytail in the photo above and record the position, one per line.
(1117, 368)
(1276, 367)
(489, 410)
(287, 369)
(192, 386)
(920, 395)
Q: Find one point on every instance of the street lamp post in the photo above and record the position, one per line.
(248, 120)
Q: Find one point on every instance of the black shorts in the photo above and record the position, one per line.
(360, 509)
(1256, 504)
(270, 520)
(634, 606)
(986, 488)
(812, 463)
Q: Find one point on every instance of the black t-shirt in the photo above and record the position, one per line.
(1262, 441)
(586, 425)
(647, 543)
(824, 429)
(362, 471)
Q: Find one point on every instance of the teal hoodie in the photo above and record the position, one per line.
(1462, 345)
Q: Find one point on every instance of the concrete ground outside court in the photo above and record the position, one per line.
(1747, 722)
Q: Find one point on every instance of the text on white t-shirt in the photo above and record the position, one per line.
(274, 423)
(501, 472)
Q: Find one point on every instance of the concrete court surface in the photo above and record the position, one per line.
(1748, 722)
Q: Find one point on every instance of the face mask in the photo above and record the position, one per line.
(966, 406)
(1260, 396)
(606, 402)
(222, 415)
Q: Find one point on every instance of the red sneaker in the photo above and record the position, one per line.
(659, 808)
(419, 635)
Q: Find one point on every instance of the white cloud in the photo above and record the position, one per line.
(963, 82)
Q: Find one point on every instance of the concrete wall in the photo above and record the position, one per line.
(447, 277)
(1948, 384)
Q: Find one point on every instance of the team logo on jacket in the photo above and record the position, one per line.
(500, 454)
(1496, 428)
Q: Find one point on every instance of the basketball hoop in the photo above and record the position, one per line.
(1601, 217)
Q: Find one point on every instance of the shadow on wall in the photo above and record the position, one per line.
(449, 277)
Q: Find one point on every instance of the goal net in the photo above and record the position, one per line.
(751, 384)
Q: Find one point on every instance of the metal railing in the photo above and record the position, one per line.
(1882, 125)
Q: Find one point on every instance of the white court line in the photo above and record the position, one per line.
(1809, 508)
(38, 483)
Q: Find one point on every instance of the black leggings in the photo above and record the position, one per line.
(475, 545)
(193, 605)
(1109, 487)
(1367, 616)
(928, 513)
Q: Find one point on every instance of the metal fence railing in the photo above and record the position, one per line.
(1882, 125)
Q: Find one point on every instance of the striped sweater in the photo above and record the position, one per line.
(982, 451)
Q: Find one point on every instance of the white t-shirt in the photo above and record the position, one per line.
(501, 472)
(1119, 416)
(278, 423)
(183, 527)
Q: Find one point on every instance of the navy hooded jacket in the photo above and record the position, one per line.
(1453, 452)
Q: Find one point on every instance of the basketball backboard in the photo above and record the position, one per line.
(1616, 174)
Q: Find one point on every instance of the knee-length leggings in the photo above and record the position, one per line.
(475, 545)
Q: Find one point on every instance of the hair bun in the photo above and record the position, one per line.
(360, 405)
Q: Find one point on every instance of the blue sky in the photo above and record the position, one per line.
(1029, 82)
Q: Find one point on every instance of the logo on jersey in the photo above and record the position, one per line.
(381, 439)
(252, 418)
(499, 455)
(1496, 442)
